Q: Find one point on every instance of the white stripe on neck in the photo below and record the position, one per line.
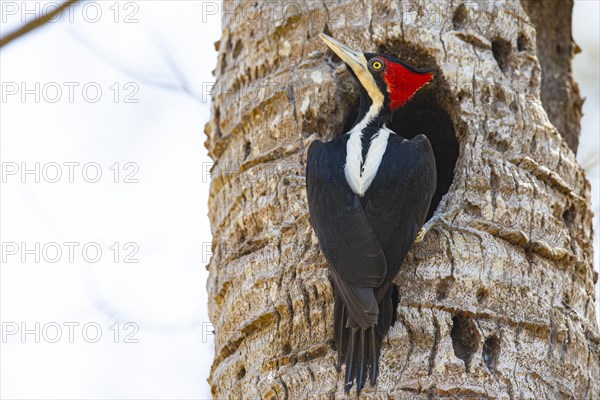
(360, 175)
(369, 116)
(377, 99)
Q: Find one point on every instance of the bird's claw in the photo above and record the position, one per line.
(421, 235)
(438, 219)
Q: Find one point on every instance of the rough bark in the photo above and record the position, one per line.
(555, 49)
(496, 302)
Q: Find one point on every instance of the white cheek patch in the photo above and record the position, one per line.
(360, 175)
(368, 82)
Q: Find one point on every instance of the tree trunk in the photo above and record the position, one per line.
(497, 301)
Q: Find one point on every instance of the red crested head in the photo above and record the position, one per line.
(386, 80)
(403, 82)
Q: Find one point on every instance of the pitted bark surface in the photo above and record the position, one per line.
(496, 302)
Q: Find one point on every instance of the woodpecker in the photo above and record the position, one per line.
(368, 193)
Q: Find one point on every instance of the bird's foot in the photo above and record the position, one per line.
(421, 235)
(437, 219)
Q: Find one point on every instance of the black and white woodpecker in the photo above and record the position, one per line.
(368, 192)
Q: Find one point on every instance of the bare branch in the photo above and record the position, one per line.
(35, 23)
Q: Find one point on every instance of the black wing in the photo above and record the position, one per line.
(401, 194)
(346, 237)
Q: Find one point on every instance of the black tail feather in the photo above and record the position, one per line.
(374, 354)
(394, 297)
(341, 333)
(361, 354)
(362, 361)
(350, 361)
(359, 348)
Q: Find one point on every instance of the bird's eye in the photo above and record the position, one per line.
(376, 65)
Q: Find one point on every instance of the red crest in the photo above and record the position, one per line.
(402, 82)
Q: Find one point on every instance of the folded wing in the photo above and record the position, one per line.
(345, 234)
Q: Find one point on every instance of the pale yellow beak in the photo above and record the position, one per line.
(355, 59)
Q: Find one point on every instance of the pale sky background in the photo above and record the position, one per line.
(135, 54)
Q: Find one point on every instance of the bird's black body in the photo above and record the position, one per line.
(365, 239)
(366, 236)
